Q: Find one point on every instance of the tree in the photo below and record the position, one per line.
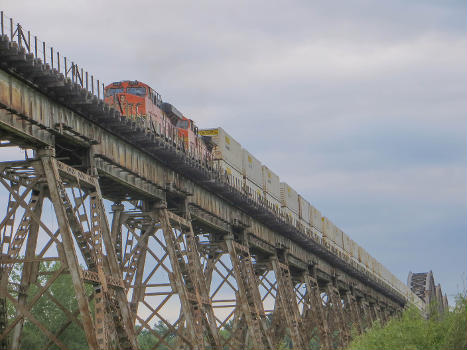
(412, 331)
(48, 312)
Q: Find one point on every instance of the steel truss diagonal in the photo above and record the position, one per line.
(287, 312)
(314, 314)
(252, 312)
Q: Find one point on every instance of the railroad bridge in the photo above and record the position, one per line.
(148, 235)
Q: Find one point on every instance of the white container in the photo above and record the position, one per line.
(253, 191)
(364, 257)
(252, 169)
(360, 254)
(271, 183)
(327, 226)
(338, 239)
(226, 148)
(347, 243)
(354, 249)
(331, 232)
(272, 203)
(373, 266)
(289, 198)
(234, 177)
(316, 219)
(304, 209)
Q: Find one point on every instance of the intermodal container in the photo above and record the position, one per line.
(226, 149)
(354, 248)
(289, 198)
(271, 183)
(364, 257)
(252, 169)
(332, 232)
(347, 243)
(339, 239)
(304, 210)
(316, 219)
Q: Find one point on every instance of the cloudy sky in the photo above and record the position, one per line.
(358, 105)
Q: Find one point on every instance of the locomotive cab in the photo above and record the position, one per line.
(128, 97)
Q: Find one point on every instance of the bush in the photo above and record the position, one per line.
(412, 331)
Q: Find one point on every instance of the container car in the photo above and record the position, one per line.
(289, 198)
(252, 170)
(304, 210)
(271, 183)
(226, 147)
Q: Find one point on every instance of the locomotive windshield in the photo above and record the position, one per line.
(111, 92)
(182, 124)
(138, 91)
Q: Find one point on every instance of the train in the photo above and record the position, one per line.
(219, 151)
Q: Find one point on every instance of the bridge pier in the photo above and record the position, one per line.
(337, 313)
(352, 311)
(249, 297)
(315, 313)
(367, 319)
(287, 302)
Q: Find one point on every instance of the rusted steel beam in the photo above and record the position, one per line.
(288, 303)
(187, 281)
(249, 299)
(315, 313)
(337, 314)
(70, 257)
(30, 269)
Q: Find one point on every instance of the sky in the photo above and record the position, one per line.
(358, 105)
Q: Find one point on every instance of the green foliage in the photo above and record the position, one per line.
(412, 332)
(147, 339)
(46, 311)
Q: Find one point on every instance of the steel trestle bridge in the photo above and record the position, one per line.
(149, 235)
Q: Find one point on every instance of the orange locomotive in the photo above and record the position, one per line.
(137, 100)
(188, 132)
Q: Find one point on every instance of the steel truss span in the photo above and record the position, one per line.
(152, 241)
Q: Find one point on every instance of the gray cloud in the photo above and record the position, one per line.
(359, 105)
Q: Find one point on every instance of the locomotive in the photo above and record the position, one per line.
(137, 100)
